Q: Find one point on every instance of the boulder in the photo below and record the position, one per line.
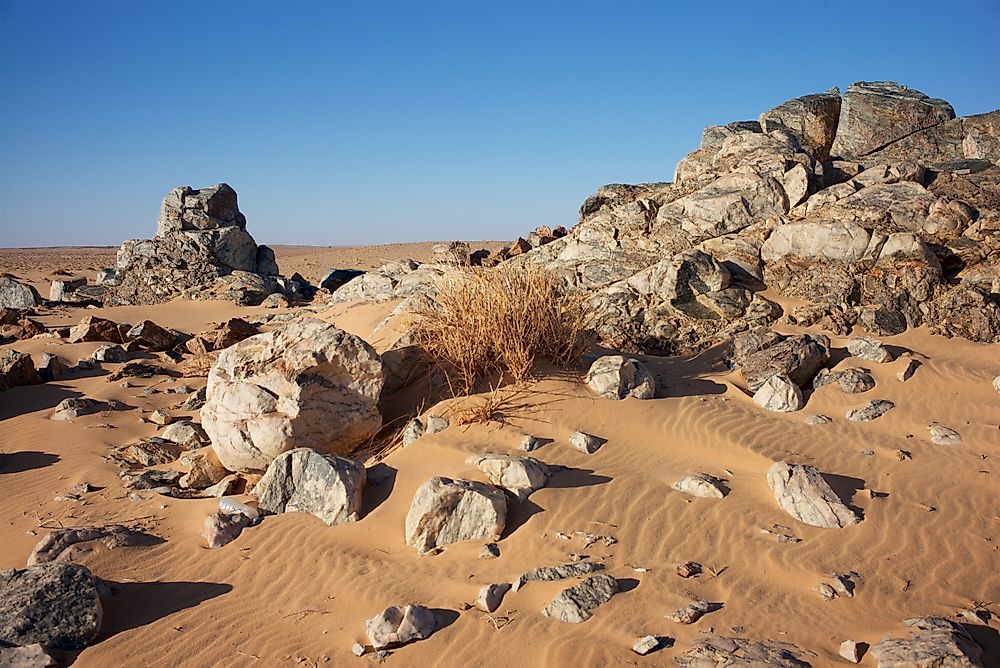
(150, 336)
(398, 625)
(446, 511)
(15, 294)
(518, 475)
(553, 573)
(850, 381)
(618, 377)
(26, 656)
(933, 643)
(802, 492)
(51, 367)
(811, 118)
(868, 348)
(729, 204)
(53, 604)
(306, 384)
(779, 394)
(817, 241)
(700, 485)
(111, 352)
(303, 480)
(876, 114)
(203, 474)
(797, 357)
(74, 407)
(63, 290)
(93, 328)
(17, 369)
(185, 433)
(577, 603)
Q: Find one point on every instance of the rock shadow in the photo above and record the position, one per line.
(567, 478)
(845, 488)
(989, 639)
(135, 604)
(381, 480)
(26, 460)
(685, 376)
(444, 618)
(31, 398)
(625, 585)
(518, 514)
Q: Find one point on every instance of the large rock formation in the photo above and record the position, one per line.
(304, 385)
(201, 246)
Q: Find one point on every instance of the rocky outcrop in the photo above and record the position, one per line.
(305, 384)
(305, 481)
(54, 604)
(446, 511)
(802, 492)
(934, 642)
(812, 118)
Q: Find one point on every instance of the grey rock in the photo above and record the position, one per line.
(74, 407)
(17, 369)
(934, 643)
(812, 119)
(106, 276)
(150, 452)
(646, 644)
(586, 443)
(552, 573)
(941, 435)
(907, 373)
(335, 278)
(63, 290)
(868, 348)
(53, 604)
(798, 357)
(801, 491)
(821, 241)
(54, 545)
(398, 625)
(491, 596)
(577, 603)
(873, 410)
(530, 443)
(723, 652)
(185, 433)
(303, 480)
(14, 294)
(854, 380)
(421, 426)
(111, 352)
(779, 394)
(518, 475)
(150, 336)
(849, 650)
(818, 419)
(826, 591)
(27, 656)
(618, 377)
(52, 367)
(701, 485)
(446, 511)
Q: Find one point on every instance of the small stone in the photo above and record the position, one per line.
(843, 585)
(941, 435)
(689, 614)
(551, 573)
(701, 485)
(818, 419)
(779, 394)
(113, 353)
(489, 551)
(907, 373)
(849, 650)
(491, 596)
(358, 649)
(586, 443)
(645, 645)
(74, 407)
(869, 348)
(422, 426)
(827, 592)
(530, 443)
(398, 625)
(160, 417)
(577, 603)
(221, 529)
(688, 569)
(873, 410)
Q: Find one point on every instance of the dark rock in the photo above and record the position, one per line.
(53, 604)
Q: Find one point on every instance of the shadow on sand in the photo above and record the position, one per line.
(135, 604)
(16, 462)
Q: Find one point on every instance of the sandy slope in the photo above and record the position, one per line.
(295, 592)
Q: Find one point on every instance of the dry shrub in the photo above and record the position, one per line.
(500, 321)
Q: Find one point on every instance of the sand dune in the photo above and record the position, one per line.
(293, 591)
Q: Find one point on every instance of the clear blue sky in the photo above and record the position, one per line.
(366, 122)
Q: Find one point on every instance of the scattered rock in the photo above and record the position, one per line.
(303, 480)
(14, 294)
(151, 452)
(221, 528)
(150, 336)
(27, 656)
(646, 644)
(398, 625)
(51, 368)
(941, 435)
(868, 348)
(779, 394)
(518, 475)
(907, 373)
(202, 475)
(851, 381)
(113, 353)
(701, 485)
(552, 573)
(185, 433)
(307, 384)
(490, 551)
(691, 613)
(74, 407)
(719, 652)
(160, 417)
(420, 426)
(797, 357)
(850, 651)
(688, 569)
(93, 328)
(873, 410)
(530, 443)
(818, 419)
(491, 596)
(52, 604)
(585, 443)
(577, 603)
(17, 369)
(826, 591)
(135, 370)
(935, 642)
(446, 511)
(618, 377)
(803, 493)
(54, 545)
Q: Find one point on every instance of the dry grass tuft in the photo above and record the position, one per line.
(501, 321)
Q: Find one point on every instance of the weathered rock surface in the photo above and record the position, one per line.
(618, 377)
(722, 652)
(797, 357)
(26, 656)
(446, 511)
(941, 435)
(53, 604)
(220, 529)
(306, 384)
(398, 625)
(577, 603)
(17, 369)
(868, 348)
(803, 493)
(303, 480)
(113, 353)
(53, 546)
(854, 380)
(74, 407)
(422, 425)
(691, 613)
(812, 119)
(15, 294)
(518, 475)
(94, 328)
(935, 643)
(585, 443)
(873, 410)
(701, 485)
(779, 394)
(563, 572)
(491, 596)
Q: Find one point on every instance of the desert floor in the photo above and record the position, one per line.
(293, 591)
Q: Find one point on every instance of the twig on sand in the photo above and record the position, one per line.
(252, 656)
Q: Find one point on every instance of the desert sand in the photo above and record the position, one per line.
(293, 591)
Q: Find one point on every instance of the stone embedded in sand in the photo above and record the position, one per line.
(74, 407)
(52, 367)
(446, 511)
(152, 452)
(849, 650)
(518, 475)
(421, 426)
(221, 528)
(854, 380)
(869, 348)
(111, 352)
(936, 643)
(577, 603)
(585, 443)
(490, 551)
(692, 612)
(150, 336)
(941, 435)
(701, 485)
(716, 652)
(798, 357)
(398, 625)
(17, 369)
(907, 373)
(135, 370)
(54, 545)
(551, 573)
(802, 492)
(306, 384)
(14, 294)
(873, 410)
(491, 596)
(618, 377)
(161, 417)
(996, 383)
(93, 328)
(818, 419)
(305, 481)
(779, 394)
(185, 433)
(646, 644)
(53, 604)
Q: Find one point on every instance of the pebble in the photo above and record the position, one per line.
(849, 650)
(645, 645)
(358, 649)
(827, 592)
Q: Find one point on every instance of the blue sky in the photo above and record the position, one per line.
(369, 122)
